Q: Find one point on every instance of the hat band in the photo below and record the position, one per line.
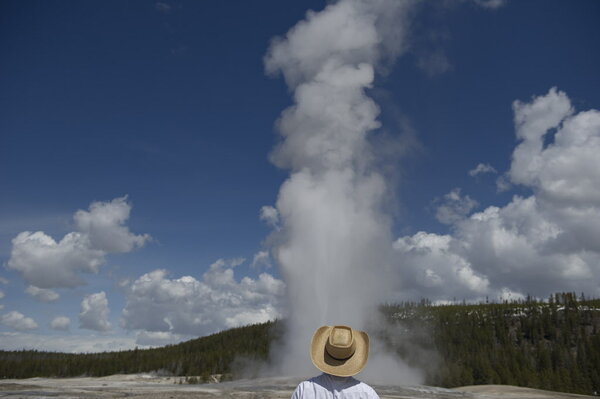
(340, 353)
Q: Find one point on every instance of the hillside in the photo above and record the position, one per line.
(204, 356)
(552, 345)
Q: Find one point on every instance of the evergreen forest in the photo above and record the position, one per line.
(552, 344)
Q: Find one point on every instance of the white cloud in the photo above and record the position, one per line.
(269, 215)
(431, 269)
(60, 323)
(46, 263)
(261, 258)
(533, 121)
(186, 306)
(503, 184)
(566, 171)
(18, 321)
(159, 338)
(104, 226)
(41, 294)
(235, 262)
(482, 168)
(543, 243)
(94, 312)
(564, 174)
(454, 207)
(69, 343)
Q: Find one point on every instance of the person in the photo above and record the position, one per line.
(339, 352)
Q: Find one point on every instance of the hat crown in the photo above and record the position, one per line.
(341, 344)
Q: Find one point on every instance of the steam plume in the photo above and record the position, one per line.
(334, 243)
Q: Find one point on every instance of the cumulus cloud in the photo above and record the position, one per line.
(566, 171)
(269, 215)
(431, 269)
(94, 312)
(60, 323)
(537, 244)
(503, 184)
(46, 263)
(261, 258)
(41, 294)
(104, 225)
(482, 168)
(533, 121)
(190, 307)
(453, 207)
(18, 321)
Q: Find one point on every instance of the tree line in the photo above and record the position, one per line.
(552, 344)
(201, 357)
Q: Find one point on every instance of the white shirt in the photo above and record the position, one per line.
(327, 386)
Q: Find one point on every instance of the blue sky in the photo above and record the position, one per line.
(168, 103)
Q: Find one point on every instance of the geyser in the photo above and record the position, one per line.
(334, 245)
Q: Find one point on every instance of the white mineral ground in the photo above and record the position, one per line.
(148, 386)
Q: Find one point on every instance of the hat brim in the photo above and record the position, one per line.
(341, 368)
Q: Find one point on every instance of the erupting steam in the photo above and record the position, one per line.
(334, 243)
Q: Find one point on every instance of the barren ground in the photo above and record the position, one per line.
(147, 386)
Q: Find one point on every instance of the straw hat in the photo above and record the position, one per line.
(339, 350)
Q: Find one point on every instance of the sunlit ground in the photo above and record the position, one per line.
(153, 387)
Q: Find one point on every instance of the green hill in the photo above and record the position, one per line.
(204, 356)
(552, 345)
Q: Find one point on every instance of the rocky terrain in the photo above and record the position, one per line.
(152, 387)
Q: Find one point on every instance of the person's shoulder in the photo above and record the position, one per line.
(299, 391)
(366, 388)
(316, 381)
(308, 388)
(310, 382)
(304, 384)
